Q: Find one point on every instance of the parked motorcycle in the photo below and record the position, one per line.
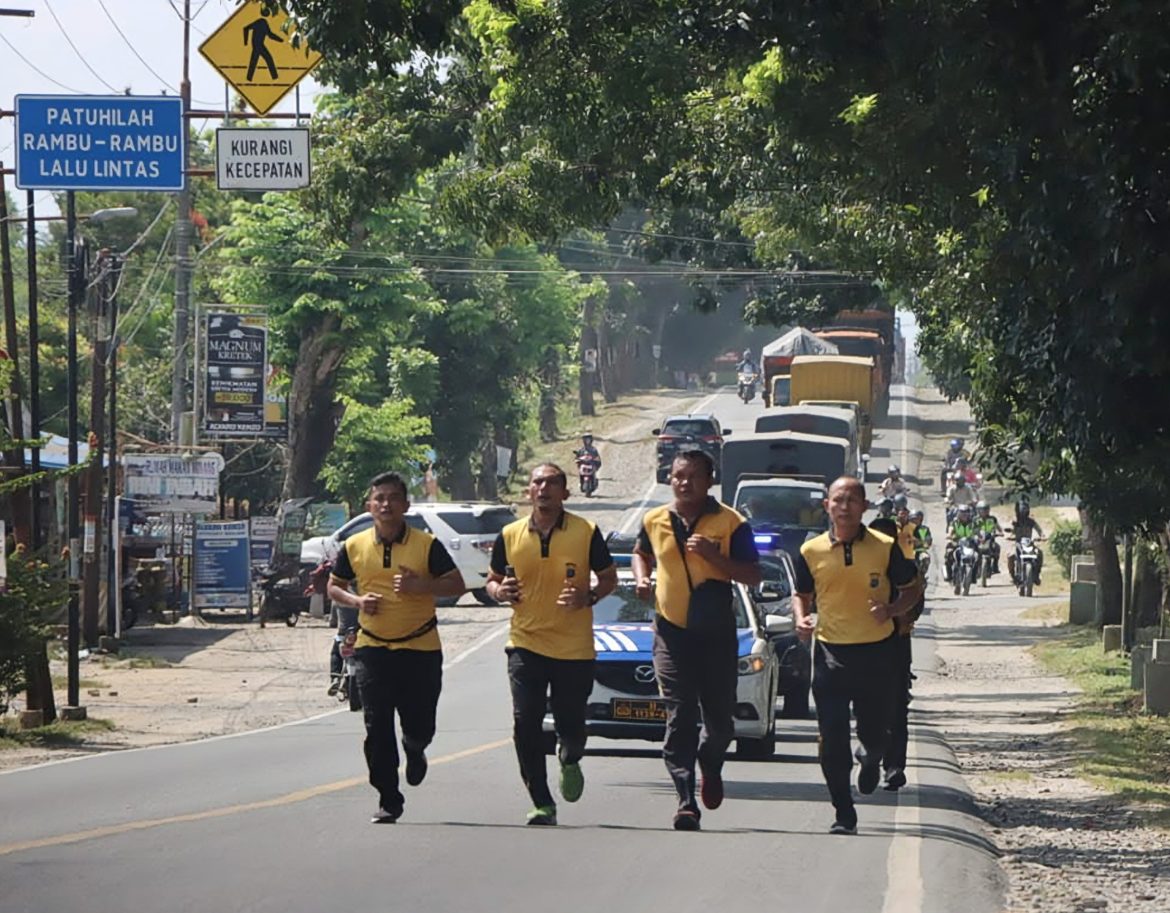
(587, 466)
(1026, 563)
(964, 561)
(747, 385)
(282, 593)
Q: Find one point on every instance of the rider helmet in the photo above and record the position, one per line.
(958, 478)
(982, 506)
(917, 516)
(964, 509)
(956, 443)
(893, 470)
(885, 507)
(747, 354)
(901, 502)
(961, 462)
(1022, 508)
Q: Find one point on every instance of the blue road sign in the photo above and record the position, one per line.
(99, 142)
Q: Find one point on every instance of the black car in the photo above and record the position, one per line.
(698, 431)
(774, 595)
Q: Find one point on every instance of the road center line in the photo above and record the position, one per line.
(636, 514)
(292, 798)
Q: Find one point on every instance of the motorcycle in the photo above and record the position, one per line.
(347, 689)
(747, 385)
(587, 473)
(922, 559)
(986, 546)
(1027, 561)
(282, 593)
(964, 560)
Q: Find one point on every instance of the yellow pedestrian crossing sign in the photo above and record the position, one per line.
(255, 54)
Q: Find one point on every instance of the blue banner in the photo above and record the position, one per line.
(99, 142)
(223, 577)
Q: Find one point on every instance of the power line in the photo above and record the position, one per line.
(38, 70)
(133, 49)
(80, 56)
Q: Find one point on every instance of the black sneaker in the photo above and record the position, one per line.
(334, 685)
(895, 779)
(870, 773)
(686, 819)
(842, 828)
(416, 766)
(383, 816)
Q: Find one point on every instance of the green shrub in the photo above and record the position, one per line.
(1066, 540)
(32, 590)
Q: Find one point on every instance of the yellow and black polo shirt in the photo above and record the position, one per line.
(907, 537)
(844, 576)
(538, 623)
(664, 531)
(372, 564)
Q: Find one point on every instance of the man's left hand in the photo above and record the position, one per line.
(409, 582)
(881, 612)
(572, 597)
(703, 547)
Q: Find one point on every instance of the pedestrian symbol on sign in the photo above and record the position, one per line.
(261, 33)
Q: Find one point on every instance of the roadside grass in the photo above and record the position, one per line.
(62, 681)
(1122, 750)
(1003, 775)
(1056, 612)
(132, 659)
(59, 734)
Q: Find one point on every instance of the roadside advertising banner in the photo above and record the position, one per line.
(263, 537)
(235, 364)
(223, 573)
(172, 483)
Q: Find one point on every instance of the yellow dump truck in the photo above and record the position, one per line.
(841, 378)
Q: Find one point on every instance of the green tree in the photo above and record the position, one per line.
(373, 439)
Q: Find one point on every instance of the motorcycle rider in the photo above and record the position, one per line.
(967, 471)
(587, 453)
(885, 507)
(1024, 527)
(893, 483)
(961, 528)
(959, 494)
(954, 452)
(747, 364)
(923, 538)
(986, 523)
(906, 527)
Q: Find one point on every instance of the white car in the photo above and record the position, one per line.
(467, 529)
(625, 703)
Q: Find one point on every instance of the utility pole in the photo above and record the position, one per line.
(34, 367)
(182, 254)
(95, 474)
(75, 251)
(113, 562)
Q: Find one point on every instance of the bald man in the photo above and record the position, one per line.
(857, 581)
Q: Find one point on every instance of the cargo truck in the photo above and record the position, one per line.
(841, 378)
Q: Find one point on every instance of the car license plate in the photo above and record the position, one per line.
(639, 711)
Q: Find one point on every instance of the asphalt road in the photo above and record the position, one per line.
(278, 819)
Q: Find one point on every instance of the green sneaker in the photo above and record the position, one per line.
(572, 781)
(543, 816)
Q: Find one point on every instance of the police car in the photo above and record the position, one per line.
(625, 703)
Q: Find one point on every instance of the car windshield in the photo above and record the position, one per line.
(487, 522)
(622, 606)
(797, 507)
(689, 426)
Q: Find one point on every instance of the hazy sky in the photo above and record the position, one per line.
(81, 52)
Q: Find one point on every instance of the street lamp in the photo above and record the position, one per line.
(78, 261)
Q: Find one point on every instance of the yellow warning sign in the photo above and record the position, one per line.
(254, 53)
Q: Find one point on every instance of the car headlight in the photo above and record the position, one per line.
(750, 665)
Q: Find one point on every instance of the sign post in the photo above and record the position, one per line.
(262, 158)
(223, 572)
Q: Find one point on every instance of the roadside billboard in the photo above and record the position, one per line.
(171, 483)
(235, 361)
(223, 570)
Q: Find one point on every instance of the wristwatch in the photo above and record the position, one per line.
(593, 597)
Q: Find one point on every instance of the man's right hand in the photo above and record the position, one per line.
(368, 603)
(508, 590)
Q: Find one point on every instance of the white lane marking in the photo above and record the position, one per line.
(636, 514)
(904, 888)
(625, 641)
(482, 642)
